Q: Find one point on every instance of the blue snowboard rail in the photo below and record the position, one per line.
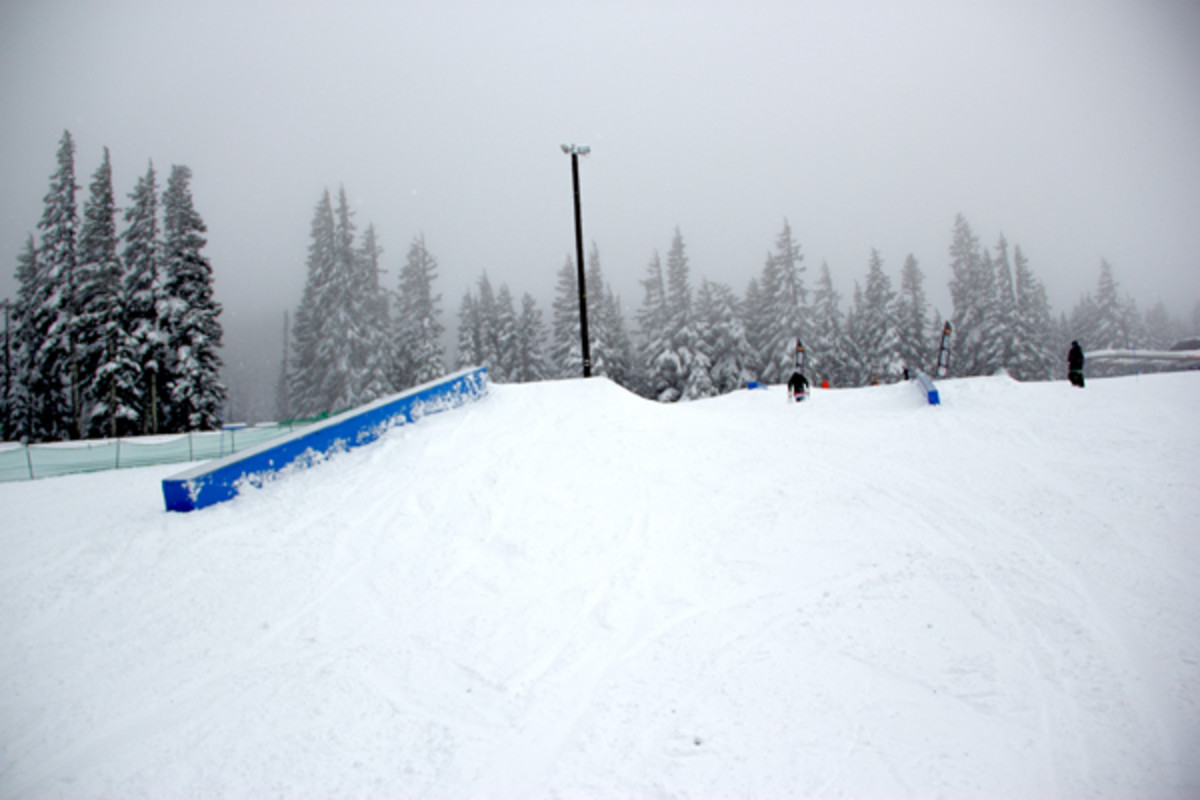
(931, 393)
(221, 479)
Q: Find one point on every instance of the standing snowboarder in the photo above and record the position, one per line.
(798, 386)
(1075, 365)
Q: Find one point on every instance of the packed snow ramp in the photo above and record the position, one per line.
(221, 479)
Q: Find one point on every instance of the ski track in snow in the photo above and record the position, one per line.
(565, 591)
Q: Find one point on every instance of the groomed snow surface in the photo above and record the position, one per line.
(567, 591)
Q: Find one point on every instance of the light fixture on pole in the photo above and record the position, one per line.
(575, 152)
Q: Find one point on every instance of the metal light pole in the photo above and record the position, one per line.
(575, 153)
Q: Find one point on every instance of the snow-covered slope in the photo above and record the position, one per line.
(567, 591)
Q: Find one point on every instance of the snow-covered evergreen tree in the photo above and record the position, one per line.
(660, 365)
(755, 321)
(623, 366)
(566, 351)
(504, 335)
(418, 347)
(56, 381)
(283, 402)
(912, 318)
(1161, 330)
(8, 377)
(609, 344)
(877, 335)
(784, 299)
(108, 365)
(471, 349)
(1084, 324)
(22, 405)
(1006, 304)
(827, 348)
(1033, 327)
(1112, 329)
(978, 337)
(723, 338)
(146, 304)
(342, 344)
(531, 361)
(692, 380)
(307, 375)
(857, 368)
(375, 343)
(488, 322)
(196, 394)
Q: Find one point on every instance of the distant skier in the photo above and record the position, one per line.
(798, 386)
(1075, 365)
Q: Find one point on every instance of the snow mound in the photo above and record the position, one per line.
(566, 590)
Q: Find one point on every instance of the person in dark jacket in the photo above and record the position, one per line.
(798, 384)
(1075, 365)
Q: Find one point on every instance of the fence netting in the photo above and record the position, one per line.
(19, 462)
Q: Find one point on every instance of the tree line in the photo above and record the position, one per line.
(112, 333)
(355, 339)
(116, 334)
(693, 342)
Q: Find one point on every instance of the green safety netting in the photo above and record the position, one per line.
(20, 462)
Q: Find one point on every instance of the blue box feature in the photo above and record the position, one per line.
(931, 393)
(221, 479)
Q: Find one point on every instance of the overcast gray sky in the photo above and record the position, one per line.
(1071, 127)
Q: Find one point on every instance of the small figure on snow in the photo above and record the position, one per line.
(1075, 365)
(798, 386)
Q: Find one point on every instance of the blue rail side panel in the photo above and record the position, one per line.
(931, 392)
(221, 479)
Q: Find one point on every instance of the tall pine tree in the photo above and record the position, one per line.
(505, 334)
(376, 341)
(340, 348)
(828, 350)
(688, 376)
(978, 336)
(912, 318)
(657, 360)
(22, 404)
(472, 351)
(418, 345)
(784, 300)
(723, 338)
(1033, 326)
(531, 361)
(1006, 305)
(146, 303)
(608, 343)
(566, 350)
(306, 376)
(878, 338)
(56, 381)
(194, 332)
(112, 374)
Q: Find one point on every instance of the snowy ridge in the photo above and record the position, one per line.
(568, 591)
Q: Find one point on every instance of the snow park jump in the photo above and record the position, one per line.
(219, 480)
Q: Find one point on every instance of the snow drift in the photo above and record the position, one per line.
(566, 591)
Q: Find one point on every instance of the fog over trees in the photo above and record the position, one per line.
(117, 333)
(688, 342)
(857, 126)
